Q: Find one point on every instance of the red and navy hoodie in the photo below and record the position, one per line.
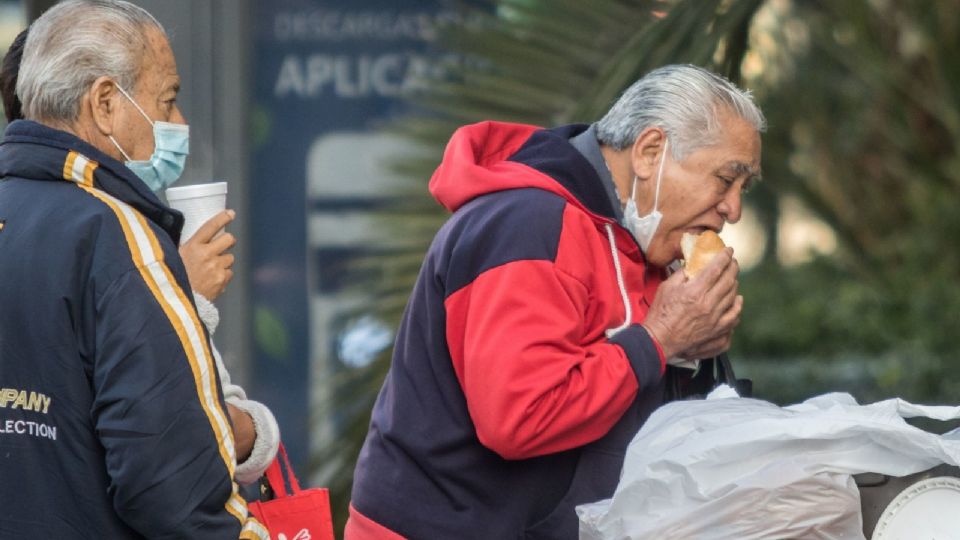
(520, 371)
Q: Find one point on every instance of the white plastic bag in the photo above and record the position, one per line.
(745, 469)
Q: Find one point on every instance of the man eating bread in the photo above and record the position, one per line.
(535, 342)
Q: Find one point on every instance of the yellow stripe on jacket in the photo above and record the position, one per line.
(148, 257)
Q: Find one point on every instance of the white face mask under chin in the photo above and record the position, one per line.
(643, 228)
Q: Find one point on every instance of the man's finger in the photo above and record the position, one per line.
(711, 348)
(725, 302)
(225, 260)
(222, 243)
(213, 225)
(731, 318)
(725, 285)
(677, 277)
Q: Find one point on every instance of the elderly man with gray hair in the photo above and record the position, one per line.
(535, 342)
(112, 419)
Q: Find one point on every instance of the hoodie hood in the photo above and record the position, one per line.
(494, 156)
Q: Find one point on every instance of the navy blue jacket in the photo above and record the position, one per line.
(112, 422)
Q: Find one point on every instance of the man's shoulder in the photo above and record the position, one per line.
(99, 225)
(514, 219)
(526, 207)
(60, 205)
(524, 224)
(522, 215)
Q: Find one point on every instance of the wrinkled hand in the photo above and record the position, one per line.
(695, 318)
(208, 264)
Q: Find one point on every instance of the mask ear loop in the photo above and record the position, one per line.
(135, 104)
(656, 195)
(115, 143)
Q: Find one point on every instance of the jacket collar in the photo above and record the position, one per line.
(550, 152)
(587, 144)
(33, 151)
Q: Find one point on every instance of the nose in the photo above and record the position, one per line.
(177, 117)
(730, 207)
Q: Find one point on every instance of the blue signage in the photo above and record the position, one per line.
(326, 74)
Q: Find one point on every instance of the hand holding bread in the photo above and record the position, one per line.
(695, 311)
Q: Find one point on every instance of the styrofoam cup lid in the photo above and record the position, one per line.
(196, 190)
(926, 509)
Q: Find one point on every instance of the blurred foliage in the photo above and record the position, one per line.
(818, 328)
(863, 109)
(863, 101)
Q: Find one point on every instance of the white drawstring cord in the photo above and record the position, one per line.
(623, 287)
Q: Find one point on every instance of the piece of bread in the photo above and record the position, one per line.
(699, 250)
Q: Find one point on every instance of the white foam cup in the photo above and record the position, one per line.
(198, 203)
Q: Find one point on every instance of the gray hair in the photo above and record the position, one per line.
(73, 44)
(685, 101)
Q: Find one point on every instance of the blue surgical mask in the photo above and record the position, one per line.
(643, 228)
(171, 146)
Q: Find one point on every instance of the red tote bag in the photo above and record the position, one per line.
(301, 514)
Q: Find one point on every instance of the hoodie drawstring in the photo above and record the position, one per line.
(623, 287)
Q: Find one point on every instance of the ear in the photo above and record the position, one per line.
(103, 100)
(645, 154)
